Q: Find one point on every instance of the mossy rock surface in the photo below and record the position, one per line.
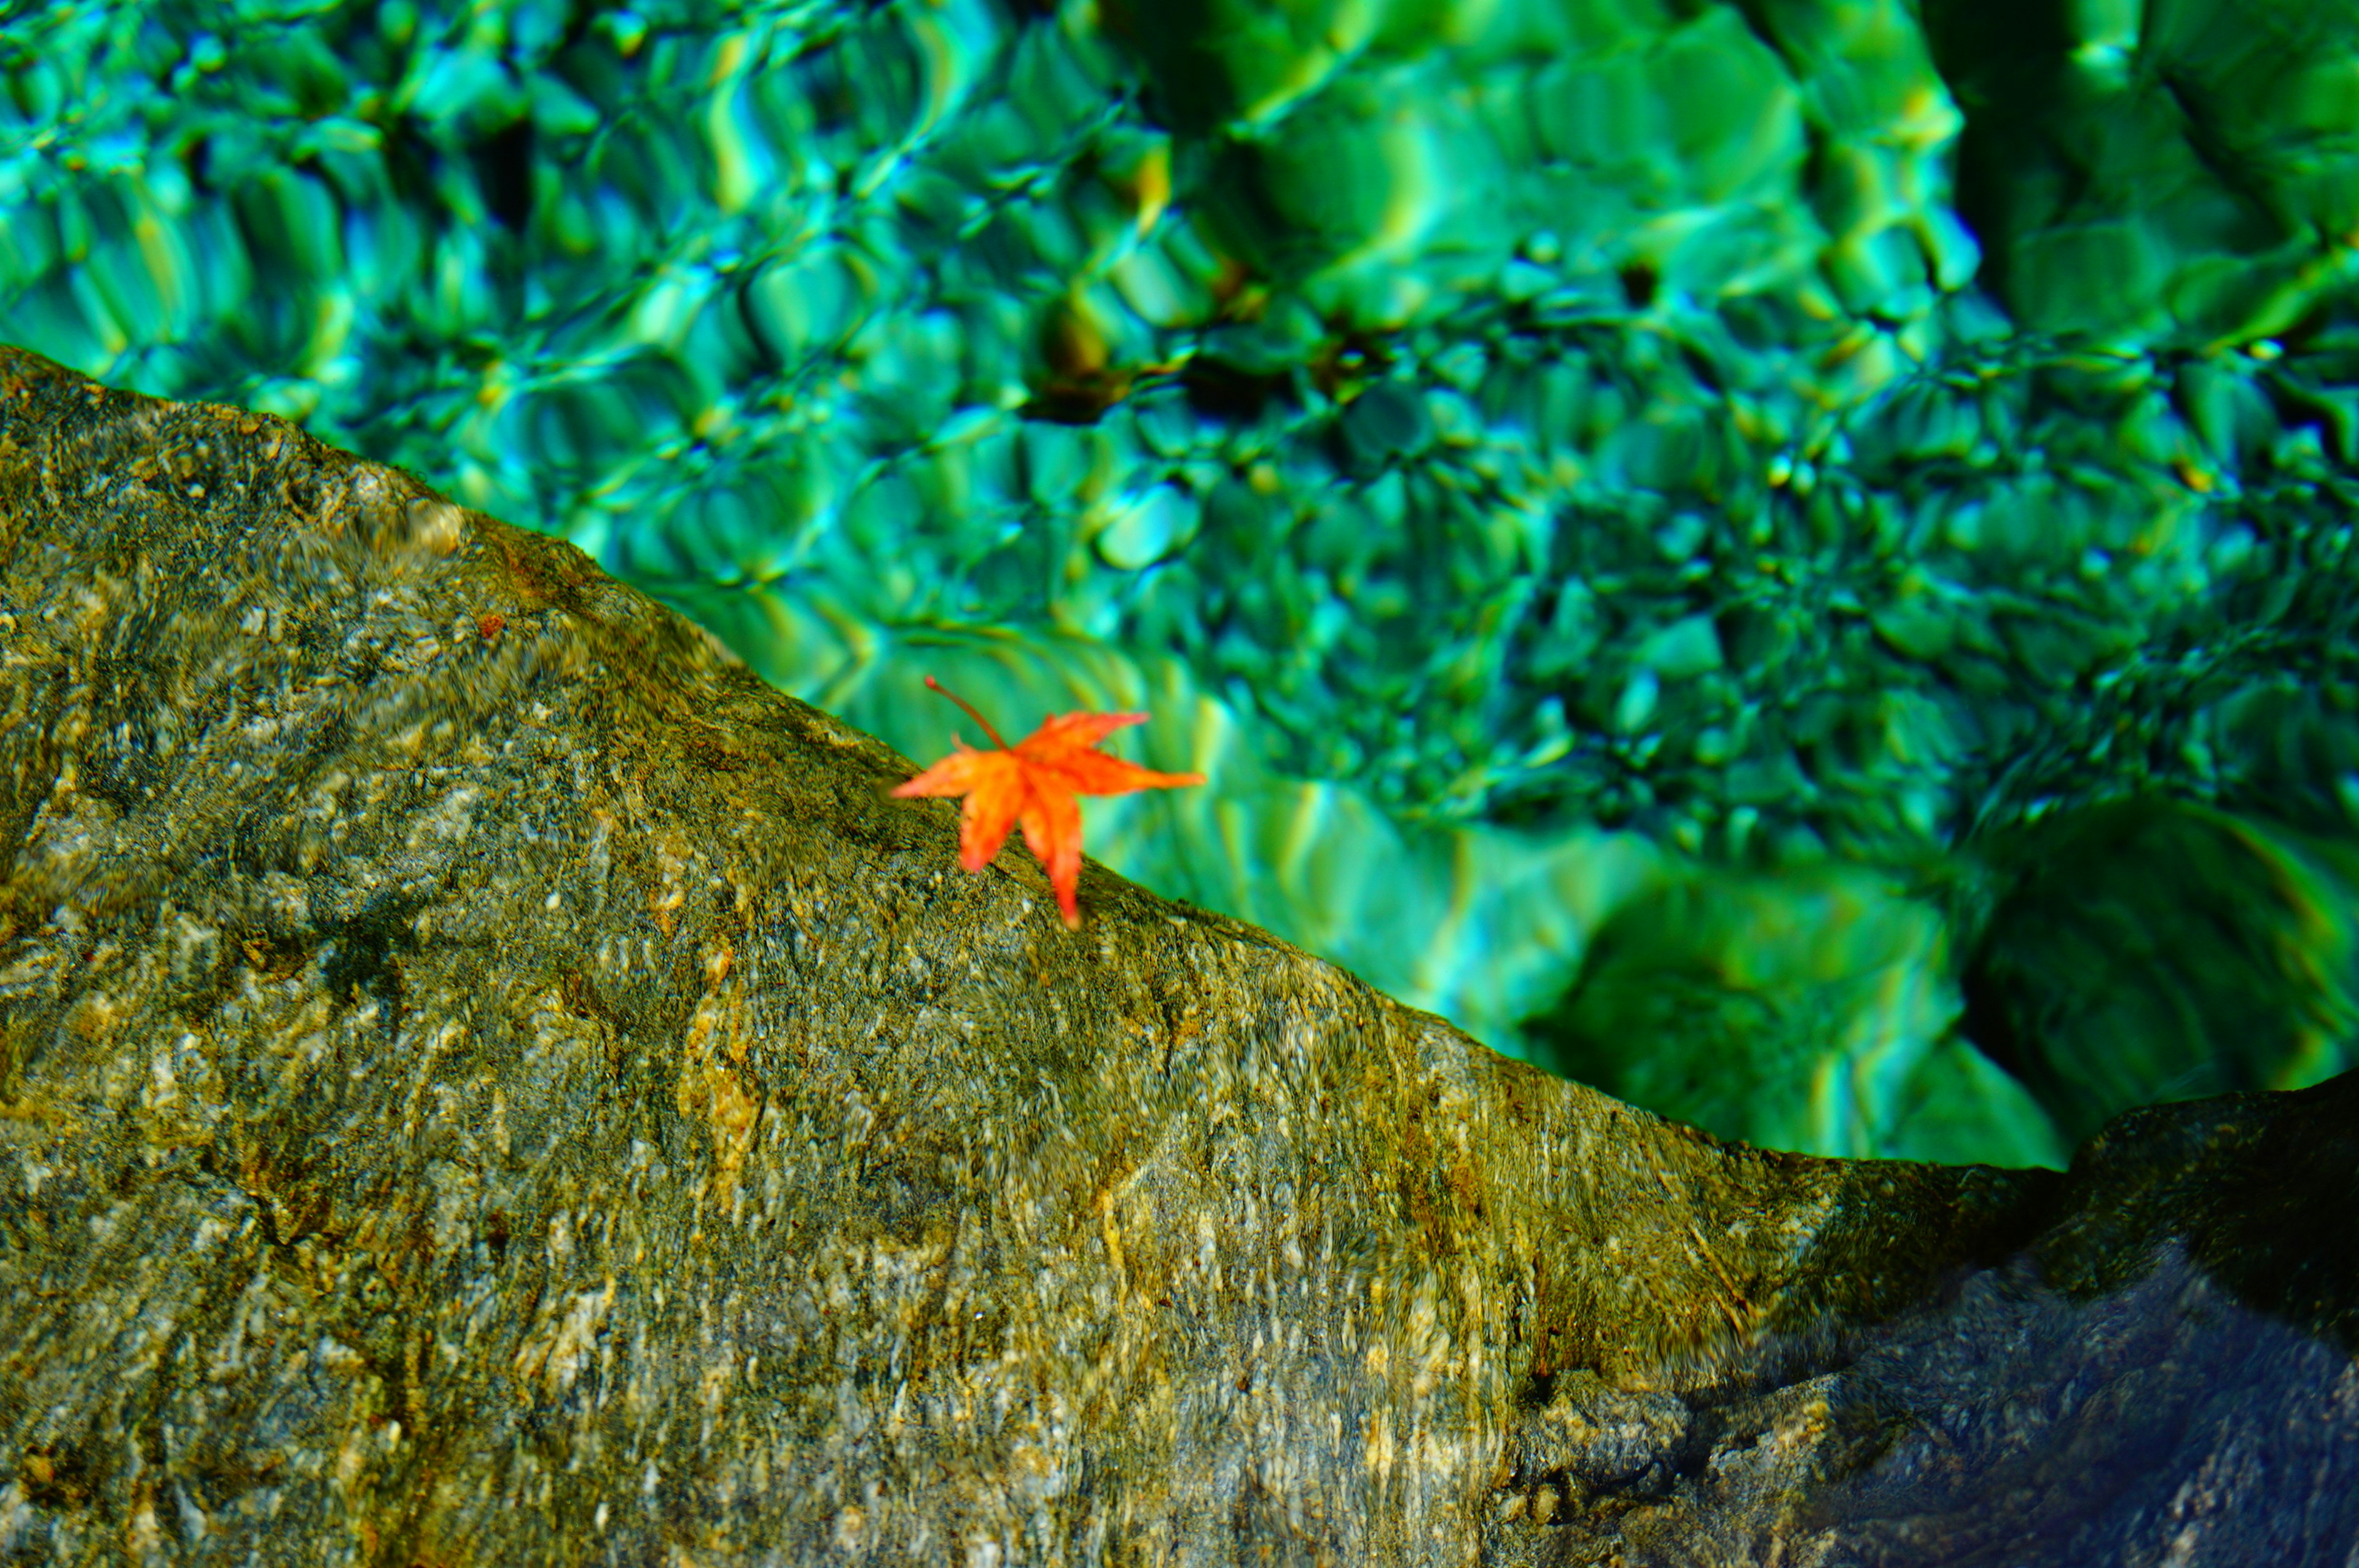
(483, 1079)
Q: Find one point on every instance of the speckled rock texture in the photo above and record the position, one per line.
(484, 1080)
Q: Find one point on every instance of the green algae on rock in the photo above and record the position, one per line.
(484, 1080)
(2147, 950)
(1819, 1008)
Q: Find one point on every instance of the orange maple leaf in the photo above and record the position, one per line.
(1037, 782)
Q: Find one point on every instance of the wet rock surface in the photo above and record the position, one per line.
(484, 1079)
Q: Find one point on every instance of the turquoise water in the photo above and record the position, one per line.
(1662, 523)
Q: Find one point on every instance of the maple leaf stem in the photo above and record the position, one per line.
(970, 713)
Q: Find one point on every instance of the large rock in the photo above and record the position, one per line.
(484, 1080)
